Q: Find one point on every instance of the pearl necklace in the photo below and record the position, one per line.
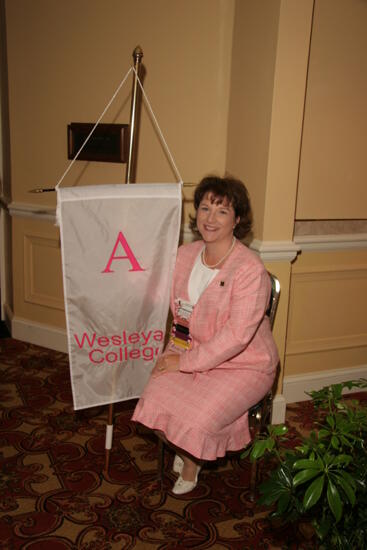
(222, 259)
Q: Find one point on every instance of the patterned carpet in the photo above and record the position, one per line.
(53, 495)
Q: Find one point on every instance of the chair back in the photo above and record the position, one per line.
(274, 299)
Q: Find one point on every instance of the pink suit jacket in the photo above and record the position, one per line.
(228, 324)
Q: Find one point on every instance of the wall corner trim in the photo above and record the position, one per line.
(8, 316)
(275, 250)
(278, 409)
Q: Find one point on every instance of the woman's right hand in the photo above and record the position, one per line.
(166, 363)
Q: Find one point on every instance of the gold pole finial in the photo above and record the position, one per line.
(137, 54)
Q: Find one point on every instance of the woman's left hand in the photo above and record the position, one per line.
(166, 363)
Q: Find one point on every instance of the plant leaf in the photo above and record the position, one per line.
(267, 499)
(345, 441)
(334, 500)
(342, 459)
(347, 488)
(304, 475)
(323, 433)
(284, 476)
(328, 458)
(337, 390)
(307, 463)
(348, 478)
(272, 489)
(303, 449)
(283, 503)
(246, 452)
(258, 449)
(313, 492)
(278, 430)
(330, 420)
(323, 527)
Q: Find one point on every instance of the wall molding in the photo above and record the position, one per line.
(331, 242)
(301, 347)
(339, 270)
(267, 250)
(270, 251)
(295, 386)
(32, 294)
(312, 280)
(35, 211)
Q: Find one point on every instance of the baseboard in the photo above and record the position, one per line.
(295, 386)
(39, 334)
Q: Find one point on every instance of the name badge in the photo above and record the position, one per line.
(183, 309)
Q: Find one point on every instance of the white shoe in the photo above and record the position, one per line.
(182, 486)
(177, 464)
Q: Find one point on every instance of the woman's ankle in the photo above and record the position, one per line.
(190, 469)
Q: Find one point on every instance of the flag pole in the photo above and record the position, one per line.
(130, 172)
(129, 176)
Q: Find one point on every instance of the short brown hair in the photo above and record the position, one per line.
(237, 195)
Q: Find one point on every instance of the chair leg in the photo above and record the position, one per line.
(253, 481)
(160, 467)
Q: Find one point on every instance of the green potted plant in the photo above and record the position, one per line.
(322, 481)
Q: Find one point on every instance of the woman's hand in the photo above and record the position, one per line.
(166, 363)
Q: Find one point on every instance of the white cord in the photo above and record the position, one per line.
(177, 173)
(163, 141)
(94, 127)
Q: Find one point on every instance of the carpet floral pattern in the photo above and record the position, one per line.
(54, 495)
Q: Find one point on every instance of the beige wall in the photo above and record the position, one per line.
(251, 95)
(65, 61)
(67, 58)
(327, 326)
(332, 180)
(328, 299)
(5, 191)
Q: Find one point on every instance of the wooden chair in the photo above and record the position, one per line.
(259, 414)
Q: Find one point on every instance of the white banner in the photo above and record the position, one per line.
(119, 246)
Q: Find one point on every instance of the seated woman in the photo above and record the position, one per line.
(221, 359)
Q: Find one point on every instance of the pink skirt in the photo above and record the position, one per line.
(204, 413)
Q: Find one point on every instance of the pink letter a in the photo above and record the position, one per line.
(129, 255)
